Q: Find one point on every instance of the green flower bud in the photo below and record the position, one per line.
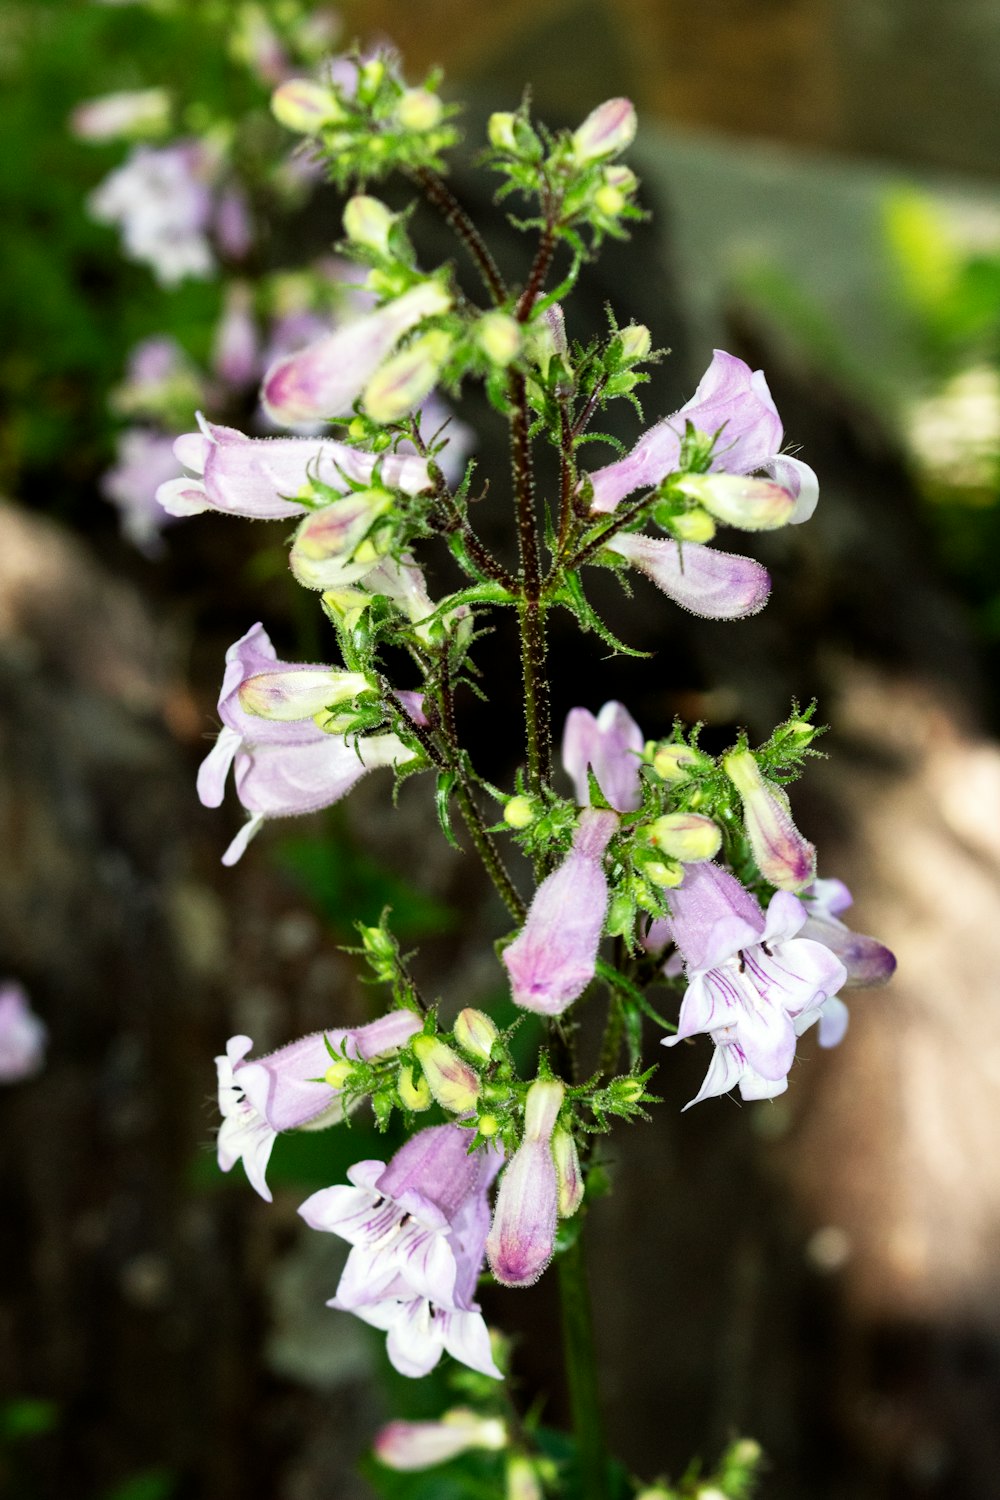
(693, 526)
(500, 131)
(569, 1178)
(368, 222)
(475, 1033)
(688, 837)
(487, 1125)
(664, 873)
(674, 763)
(413, 1096)
(419, 109)
(304, 106)
(519, 812)
(338, 1073)
(452, 1082)
(636, 341)
(499, 337)
(735, 500)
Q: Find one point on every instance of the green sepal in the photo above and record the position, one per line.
(446, 783)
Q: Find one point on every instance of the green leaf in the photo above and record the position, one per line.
(446, 783)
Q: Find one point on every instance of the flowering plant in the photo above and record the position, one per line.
(654, 866)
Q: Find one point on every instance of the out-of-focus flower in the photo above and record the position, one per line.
(129, 113)
(22, 1035)
(281, 769)
(417, 1228)
(409, 1446)
(161, 199)
(287, 1090)
(236, 346)
(145, 460)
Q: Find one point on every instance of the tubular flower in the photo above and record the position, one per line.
(867, 961)
(286, 1089)
(417, 1229)
(733, 401)
(782, 855)
(610, 746)
(409, 1446)
(553, 958)
(267, 478)
(754, 984)
(523, 1234)
(327, 378)
(280, 769)
(22, 1036)
(716, 585)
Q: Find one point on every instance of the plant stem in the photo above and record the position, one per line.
(531, 614)
(488, 852)
(440, 195)
(581, 1372)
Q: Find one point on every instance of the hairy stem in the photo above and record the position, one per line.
(581, 1372)
(439, 194)
(488, 851)
(531, 614)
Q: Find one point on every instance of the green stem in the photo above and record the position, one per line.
(581, 1372)
(489, 853)
(443, 199)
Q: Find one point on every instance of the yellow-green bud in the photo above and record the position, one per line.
(338, 1073)
(419, 109)
(500, 131)
(522, 1479)
(673, 763)
(664, 873)
(286, 697)
(499, 337)
(451, 1081)
(519, 812)
(347, 604)
(405, 379)
(569, 1178)
(475, 1033)
(415, 1096)
(304, 106)
(750, 503)
(368, 222)
(685, 836)
(693, 526)
(371, 75)
(630, 1090)
(488, 1125)
(609, 201)
(636, 341)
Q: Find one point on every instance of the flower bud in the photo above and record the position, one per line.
(288, 696)
(487, 1125)
(347, 604)
(405, 379)
(783, 856)
(522, 1237)
(500, 131)
(409, 1446)
(419, 109)
(368, 222)
(415, 1096)
(475, 1033)
(304, 106)
(519, 812)
(607, 129)
(499, 337)
(569, 1178)
(693, 526)
(665, 873)
(338, 1073)
(451, 1081)
(685, 836)
(131, 112)
(636, 341)
(327, 552)
(609, 201)
(751, 504)
(674, 763)
(371, 76)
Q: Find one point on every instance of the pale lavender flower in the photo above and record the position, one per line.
(261, 477)
(417, 1228)
(716, 585)
(159, 377)
(286, 1089)
(752, 980)
(733, 401)
(553, 958)
(232, 224)
(162, 201)
(410, 1446)
(782, 855)
(607, 130)
(281, 769)
(130, 112)
(236, 345)
(22, 1035)
(867, 961)
(327, 378)
(523, 1234)
(610, 746)
(144, 460)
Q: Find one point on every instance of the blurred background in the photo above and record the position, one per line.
(821, 1272)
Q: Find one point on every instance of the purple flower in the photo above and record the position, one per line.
(553, 958)
(867, 961)
(715, 585)
(236, 346)
(523, 1235)
(753, 982)
(22, 1035)
(610, 746)
(417, 1229)
(734, 401)
(327, 378)
(410, 1446)
(261, 477)
(286, 1089)
(280, 769)
(144, 460)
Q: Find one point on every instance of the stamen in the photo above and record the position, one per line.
(742, 963)
(767, 950)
